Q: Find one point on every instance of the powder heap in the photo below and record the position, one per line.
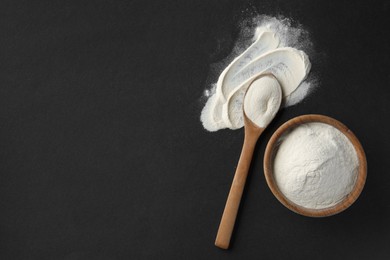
(315, 165)
(270, 53)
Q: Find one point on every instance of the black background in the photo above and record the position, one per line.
(102, 155)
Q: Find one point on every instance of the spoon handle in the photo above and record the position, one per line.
(233, 201)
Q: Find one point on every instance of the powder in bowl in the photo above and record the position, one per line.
(315, 165)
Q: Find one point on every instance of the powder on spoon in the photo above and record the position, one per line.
(315, 165)
(262, 100)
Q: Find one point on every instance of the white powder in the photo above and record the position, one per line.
(268, 54)
(262, 100)
(315, 166)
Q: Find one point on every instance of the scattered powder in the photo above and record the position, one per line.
(274, 50)
(315, 166)
(262, 100)
(300, 93)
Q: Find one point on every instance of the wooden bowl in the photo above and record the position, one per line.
(270, 154)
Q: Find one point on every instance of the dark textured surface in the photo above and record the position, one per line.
(102, 155)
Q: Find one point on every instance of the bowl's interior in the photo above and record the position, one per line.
(271, 151)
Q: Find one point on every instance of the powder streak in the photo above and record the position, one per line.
(268, 54)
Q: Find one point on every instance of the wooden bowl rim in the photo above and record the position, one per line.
(362, 172)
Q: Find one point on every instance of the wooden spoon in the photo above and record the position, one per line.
(252, 134)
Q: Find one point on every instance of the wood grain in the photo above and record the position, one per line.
(270, 153)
